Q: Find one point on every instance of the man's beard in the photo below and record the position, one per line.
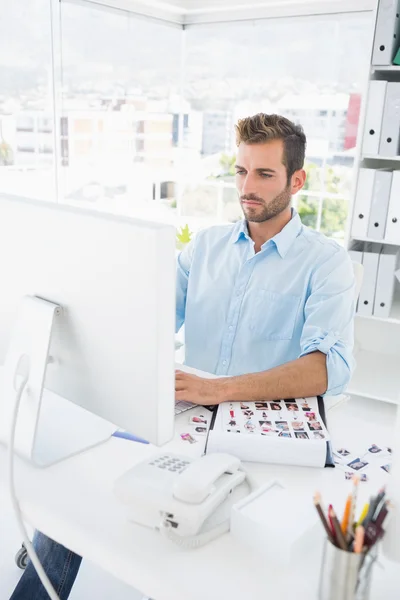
(261, 213)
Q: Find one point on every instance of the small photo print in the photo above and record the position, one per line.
(247, 413)
(388, 450)
(233, 430)
(289, 400)
(275, 406)
(305, 406)
(244, 406)
(261, 405)
(298, 425)
(198, 420)
(232, 423)
(315, 426)
(188, 438)
(310, 416)
(343, 452)
(374, 449)
(363, 477)
(249, 426)
(284, 434)
(301, 435)
(357, 464)
(348, 475)
(386, 468)
(292, 407)
(269, 423)
(270, 433)
(318, 435)
(200, 430)
(282, 425)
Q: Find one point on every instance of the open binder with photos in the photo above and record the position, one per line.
(291, 432)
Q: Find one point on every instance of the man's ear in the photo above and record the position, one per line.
(298, 181)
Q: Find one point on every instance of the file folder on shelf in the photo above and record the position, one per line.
(390, 130)
(386, 39)
(367, 292)
(362, 203)
(385, 282)
(379, 204)
(373, 117)
(356, 255)
(392, 231)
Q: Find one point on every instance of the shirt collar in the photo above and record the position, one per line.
(282, 240)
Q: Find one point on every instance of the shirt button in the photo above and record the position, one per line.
(224, 362)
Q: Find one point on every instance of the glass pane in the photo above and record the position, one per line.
(307, 207)
(235, 70)
(334, 216)
(119, 108)
(26, 109)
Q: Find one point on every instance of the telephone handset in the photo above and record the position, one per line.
(178, 492)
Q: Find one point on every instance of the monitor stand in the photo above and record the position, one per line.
(49, 427)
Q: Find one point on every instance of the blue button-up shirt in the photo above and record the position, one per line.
(247, 312)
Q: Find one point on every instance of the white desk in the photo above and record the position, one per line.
(73, 503)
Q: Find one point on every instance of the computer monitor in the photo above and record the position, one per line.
(112, 344)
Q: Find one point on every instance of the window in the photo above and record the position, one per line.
(119, 87)
(26, 110)
(129, 137)
(238, 69)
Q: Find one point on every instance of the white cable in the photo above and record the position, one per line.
(11, 485)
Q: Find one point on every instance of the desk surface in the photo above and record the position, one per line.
(73, 502)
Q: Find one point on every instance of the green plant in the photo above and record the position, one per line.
(184, 235)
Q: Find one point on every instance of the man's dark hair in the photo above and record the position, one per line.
(262, 128)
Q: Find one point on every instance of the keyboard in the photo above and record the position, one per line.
(182, 406)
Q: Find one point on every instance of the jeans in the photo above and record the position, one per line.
(60, 564)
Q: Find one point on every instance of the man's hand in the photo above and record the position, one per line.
(198, 390)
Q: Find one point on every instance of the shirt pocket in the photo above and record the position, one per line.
(274, 315)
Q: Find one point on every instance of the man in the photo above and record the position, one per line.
(265, 302)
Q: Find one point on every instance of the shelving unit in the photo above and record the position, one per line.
(377, 340)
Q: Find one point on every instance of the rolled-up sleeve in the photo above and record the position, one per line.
(183, 263)
(329, 319)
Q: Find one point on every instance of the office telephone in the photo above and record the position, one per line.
(180, 496)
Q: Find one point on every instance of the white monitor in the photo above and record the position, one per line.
(112, 341)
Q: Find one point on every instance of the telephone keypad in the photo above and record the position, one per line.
(175, 465)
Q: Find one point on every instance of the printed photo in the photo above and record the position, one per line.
(386, 468)
(249, 426)
(289, 400)
(301, 435)
(315, 426)
(265, 423)
(305, 406)
(200, 419)
(233, 430)
(389, 450)
(275, 406)
(374, 449)
(298, 425)
(318, 435)
(232, 423)
(282, 425)
(248, 413)
(310, 416)
(343, 452)
(357, 464)
(264, 415)
(292, 407)
(363, 477)
(284, 434)
(244, 406)
(348, 475)
(270, 433)
(188, 438)
(261, 405)
(200, 430)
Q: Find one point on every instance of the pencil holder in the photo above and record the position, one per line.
(345, 575)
